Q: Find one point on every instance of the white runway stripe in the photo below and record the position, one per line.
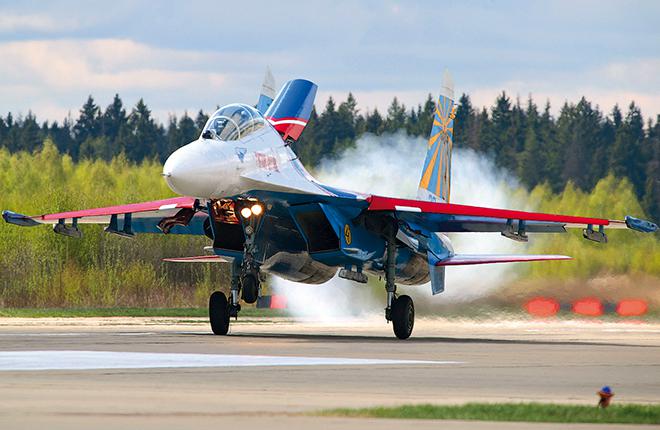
(87, 360)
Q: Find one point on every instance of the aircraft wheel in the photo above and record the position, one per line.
(249, 288)
(403, 316)
(219, 313)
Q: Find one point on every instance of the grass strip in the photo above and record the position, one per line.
(522, 412)
(127, 312)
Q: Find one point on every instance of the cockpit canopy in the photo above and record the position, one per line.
(233, 122)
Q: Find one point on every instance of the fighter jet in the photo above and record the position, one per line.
(243, 187)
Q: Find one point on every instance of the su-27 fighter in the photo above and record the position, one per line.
(244, 188)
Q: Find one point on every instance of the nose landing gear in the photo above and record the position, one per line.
(245, 282)
(219, 313)
(250, 288)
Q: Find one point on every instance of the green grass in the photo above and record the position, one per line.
(127, 312)
(525, 412)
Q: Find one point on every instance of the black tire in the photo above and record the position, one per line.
(219, 313)
(403, 316)
(249, 288)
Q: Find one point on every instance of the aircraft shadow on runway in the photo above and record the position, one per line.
(340, 338)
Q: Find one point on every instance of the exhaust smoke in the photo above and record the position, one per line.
(390, 165)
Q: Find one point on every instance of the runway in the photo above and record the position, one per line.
(170, 373)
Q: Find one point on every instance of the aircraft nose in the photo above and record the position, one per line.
(192, 170)
(179, 171)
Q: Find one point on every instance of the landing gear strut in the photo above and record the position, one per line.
(250, 268)
(234, 305)
(245, 282)
(400, 309)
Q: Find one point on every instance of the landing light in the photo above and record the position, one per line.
(246, 212)
(256, 209)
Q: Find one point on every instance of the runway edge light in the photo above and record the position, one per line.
(542, 307)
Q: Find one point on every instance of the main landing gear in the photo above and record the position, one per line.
(400, 309)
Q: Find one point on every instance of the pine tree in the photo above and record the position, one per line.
(579, 129)
(396, 116)
(517, 136)
(651, 200)
(327, 136)
(30, 136)
(345, 125)
(147, 137)
(113, 118)
(88, 124)
(308, 147)
(626, 160)
(187, 130)
(463, 121)
(374, 122)
(500, 133)
(200, 121)
(551, 150)
(530, 160)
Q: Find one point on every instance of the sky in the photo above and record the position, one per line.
(191, 55)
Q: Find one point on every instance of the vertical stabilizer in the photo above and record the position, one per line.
(435, 182)
(292, 108)
(267, 92)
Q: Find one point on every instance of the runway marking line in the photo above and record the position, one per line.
(93, 360)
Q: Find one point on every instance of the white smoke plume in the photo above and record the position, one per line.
(390, 165)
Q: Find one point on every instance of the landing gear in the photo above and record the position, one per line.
(251, 215)
(250, 288)
(400, 309)
(403, 316)
(234, 306)
(245, 282)
(219, 313)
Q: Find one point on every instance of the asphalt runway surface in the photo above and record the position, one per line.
(173, 373)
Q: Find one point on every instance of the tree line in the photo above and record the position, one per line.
(581, 145)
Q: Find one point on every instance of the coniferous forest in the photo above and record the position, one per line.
(582, 160)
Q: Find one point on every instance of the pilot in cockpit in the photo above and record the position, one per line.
(233, 122)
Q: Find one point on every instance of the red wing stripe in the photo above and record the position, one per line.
(377, 203)
(176, 202)
(463, 260)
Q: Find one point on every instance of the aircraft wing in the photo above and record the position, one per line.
(177, 215)
(449, 217)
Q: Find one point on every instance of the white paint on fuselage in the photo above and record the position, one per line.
(90, 360)
(210, 168)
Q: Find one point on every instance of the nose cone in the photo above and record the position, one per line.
(183, 171)
(178, 172)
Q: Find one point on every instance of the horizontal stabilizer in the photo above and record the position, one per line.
(198, 259)
(463, 260)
